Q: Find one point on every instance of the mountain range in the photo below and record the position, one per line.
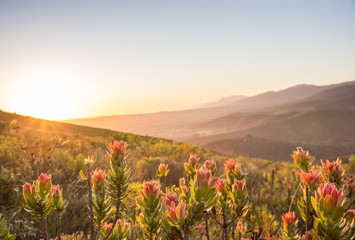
(268, 125)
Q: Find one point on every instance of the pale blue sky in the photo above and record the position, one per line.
(119, 57)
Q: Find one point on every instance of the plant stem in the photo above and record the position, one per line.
(206, 225)
(45, 230)
(224, 226)
(98, 231)
(307, 208)
(186, 231)
(59, 220)
(91, 222)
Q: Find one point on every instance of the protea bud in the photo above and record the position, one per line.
(329, 204)
(98, 179)
(302, 159)
(163, 170)
(199, 230)
(176, 215)
(233, 171)
(117, 152)
(333, 172)
(191, 166)
(203, 188)
(150, 205)
(289, 231)
(311, 179)
(239, 198)
(168, 198)
(120, 232)
(44, 183)
(59, 204)
(28, 190)
(210, 165)
(182, 182)
(221, 187)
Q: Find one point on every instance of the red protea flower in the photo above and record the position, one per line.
(233, 171)
(44, 180)
(330, 195)
(221, 186)
(150, 190)
(289, 219)
(239, 185)
(332, 171)
(302, 159)
(176, 216)
(29, 189)
(193, 160)
(312, 178)
(162, 170)
(117, 151)
(57, 192)
(98, 178)
(210, 165)
(168, 198)
(205, 180)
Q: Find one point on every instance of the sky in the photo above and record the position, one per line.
(73, 59)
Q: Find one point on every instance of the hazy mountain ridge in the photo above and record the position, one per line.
(303, 114)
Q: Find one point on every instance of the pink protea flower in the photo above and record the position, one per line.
(44, 179)
(162, 170)
(240, 227)
(239, 185)
(203, 177)
(312, 178)
(176, 216)
(98, 177)
(150, 190)
(221, 186)
(118, 149)
(331, 195)
(57, 192)
(233, 170)
(193, 160)
(122, 226)
(210, 165)
(289, 219)
(302, 159)
(230, 165)
(332, 171)
(168, 198)
(28, 189)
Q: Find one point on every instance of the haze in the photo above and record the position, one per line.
(77, 59)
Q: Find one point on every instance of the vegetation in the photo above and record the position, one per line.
(148, 188)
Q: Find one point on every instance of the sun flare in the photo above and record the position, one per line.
(48, 95)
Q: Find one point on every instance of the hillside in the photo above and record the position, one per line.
(303, 114)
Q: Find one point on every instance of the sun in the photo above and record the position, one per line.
(48, 95)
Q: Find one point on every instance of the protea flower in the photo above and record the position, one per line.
(289, 230)
(163, 170)
(307, 236)
(191, 166)
(233, 171)
(210, 165)
(221, 187)
(199, 230)
(44, 183)
(203, 189)
(311, 179)
(333, 172)
(329, 204)
(98, 179)
(117, 152)
(239, 198)
(150, 205)
(58, 204)
(168, 198)
(28, 189)
(302, 159)
(176, 215)
(120, 232)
